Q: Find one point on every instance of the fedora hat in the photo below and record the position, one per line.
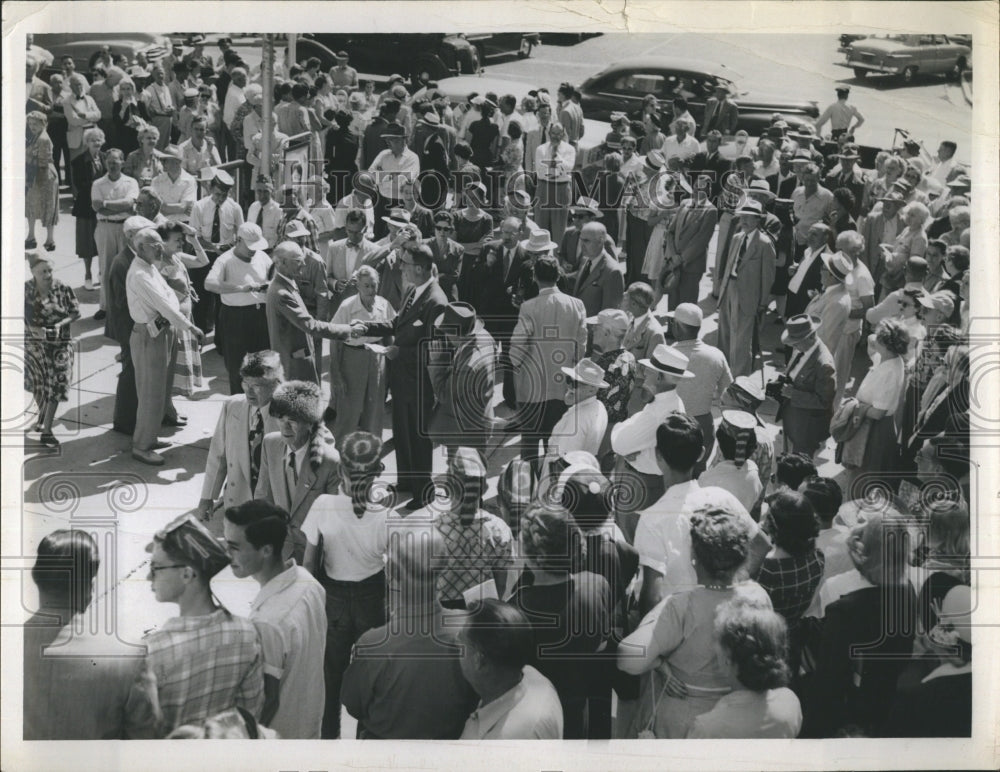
(751, 207)
(587, 372)
(761, 187)
(588, 205)
(747, 387)
(611, 317)
(170, 153)
(432, 118)
(961, 181)
(798, 328)
(394, 131)
(398, 217)
(341, 56)
(457, 316)
(838, 264)
(850, 152)
(893, 196)
(655, 160)
(665, 359)
(538, 241)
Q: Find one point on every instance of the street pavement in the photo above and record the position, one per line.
(93, 482)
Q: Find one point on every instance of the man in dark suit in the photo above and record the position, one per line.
(709, 161)
(721, 112)
(409, 379)
(847, 175)
(600, 282)
(490, 283)
(447, 252)
(373, 143)
(461, 370)
(687, 237)
(586, 210)
(804, 281)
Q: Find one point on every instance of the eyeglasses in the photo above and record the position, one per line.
(446, 228)
(154, 569)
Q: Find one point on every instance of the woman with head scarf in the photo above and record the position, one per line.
(50, 307)
(346, 539)
(41, 181)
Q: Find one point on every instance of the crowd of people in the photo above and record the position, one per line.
(656, 562)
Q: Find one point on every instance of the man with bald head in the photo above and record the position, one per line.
(405, 682)
(290, 326)
(156, 311)
(600, 281)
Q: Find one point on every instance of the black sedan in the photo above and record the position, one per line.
(622, 87)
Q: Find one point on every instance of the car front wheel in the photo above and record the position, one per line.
(860, 73)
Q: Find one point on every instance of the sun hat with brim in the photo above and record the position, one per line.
(586, 205)
(394, 131)
(193, 544)
(432, 118)
(211, 174)
(587, 372)
(798, 328)
(538, 241)
(761, 188)
(458, 317)
(251, 235)
(688, 314)
(296, 229)
(655, 160)
(668, 360)
(613, 318)
(398, 217)
(961, 181)
(751, 207)
(838, 264)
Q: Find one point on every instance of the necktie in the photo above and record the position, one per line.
(584, 275)
(507, 260)
(216, 226)
(259, 219)
(256, 443)
(409, 301)
(545, 133)
(739, 255)
(292, 470)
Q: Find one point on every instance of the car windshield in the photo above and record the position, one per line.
(908, 39)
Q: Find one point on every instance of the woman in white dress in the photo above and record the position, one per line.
(357, 373)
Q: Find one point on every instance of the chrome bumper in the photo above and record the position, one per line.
(871, 66)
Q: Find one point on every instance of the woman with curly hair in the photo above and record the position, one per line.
(752, 644)
(143, 164)
(673, 646)
(879, 398)
(346, 538)
(570, 613)
(911, 242)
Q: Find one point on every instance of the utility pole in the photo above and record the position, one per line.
(267, 105)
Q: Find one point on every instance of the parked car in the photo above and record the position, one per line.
(622, 87)
(567, 38)
(494, 45)
(846, 40)
(907, 56)
(82, 46)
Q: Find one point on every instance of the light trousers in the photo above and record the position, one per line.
(151, 359)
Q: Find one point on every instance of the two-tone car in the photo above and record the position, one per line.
(908, 56)
(624, 86)
(83, 45)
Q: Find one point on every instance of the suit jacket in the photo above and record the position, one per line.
(602, 288)
(423, 218)
(413, 330)
(872, 228)
(689, 232)
(641, 339)
(84, 174)
(755, 273)
(290, 327)
(390, 282)
(816, 382)
(491, 292)
(463, 381)
(448, 262)
(320, 474)
(551, 333)
(854, 182)
(723, 116)
(796, 302)
(229, 453)
(568, 251)
(336, 267)
(787, 186)
(118, 323)
(713, 164)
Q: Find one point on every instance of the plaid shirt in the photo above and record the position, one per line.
(205, 665)
(620, 369)
(791, 582)
(474, 552)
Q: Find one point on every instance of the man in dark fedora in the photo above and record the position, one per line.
(461, 369)
(843, 118)
(388, 259)
(409, 379)
(847, 175)
(745, 289)
(721, 112)
(806, 388)
(391, 167)
(586, 210)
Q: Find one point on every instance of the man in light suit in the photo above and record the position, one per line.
(409, 380)
(881, 228)
(644, 332)
(299, 461)
(346, 255)
(234, 455)
(745, 289)
(551, 333)
(290, 326)
(687, 238)
(448, 254)
(600, 282)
